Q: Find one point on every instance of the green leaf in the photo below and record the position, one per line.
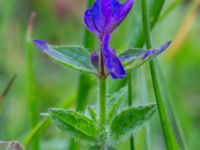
(125, 122)
(115, 101)
(77, 125)
(92, 113)
(134, 58)
(75, 57)
(98, 147)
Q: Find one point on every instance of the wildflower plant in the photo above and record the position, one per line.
(104, 127)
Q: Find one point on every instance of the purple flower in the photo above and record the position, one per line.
(105, 15)
(102, 19)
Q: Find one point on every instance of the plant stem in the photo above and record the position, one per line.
(175, 112)
(129, 89)
(131, 139)
(102, 111)
(146, 24)
(169, 138)
(132, 143)
(102, 101)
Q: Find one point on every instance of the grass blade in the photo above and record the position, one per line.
(30, 79)
(169, 137)
(7, 88)
(38, 129)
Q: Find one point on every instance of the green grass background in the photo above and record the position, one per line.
(63, 24)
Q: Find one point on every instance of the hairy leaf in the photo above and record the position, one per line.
(75, 57)
(77, 125)
(115, 101)
(133, 58)
(125, 122)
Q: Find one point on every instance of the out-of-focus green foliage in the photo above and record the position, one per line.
(60, 22)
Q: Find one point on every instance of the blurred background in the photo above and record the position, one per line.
(61, 22)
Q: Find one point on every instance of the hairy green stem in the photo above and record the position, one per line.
(102, 101)
(129, 89)
(102, 111)
(169, 138)
(131, 139)
(132, 143)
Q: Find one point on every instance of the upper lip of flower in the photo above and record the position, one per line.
(104, 16)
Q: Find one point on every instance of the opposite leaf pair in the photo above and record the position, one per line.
(78, 57)
(120, 122)
(81, 127)
(102, 18)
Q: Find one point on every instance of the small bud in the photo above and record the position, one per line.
(95, 60)
(114, 65)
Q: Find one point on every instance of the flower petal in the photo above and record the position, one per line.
(92, 19)
(120, 11)
(114, 65)
(124, 10)
(108, 9)
(105, 15)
